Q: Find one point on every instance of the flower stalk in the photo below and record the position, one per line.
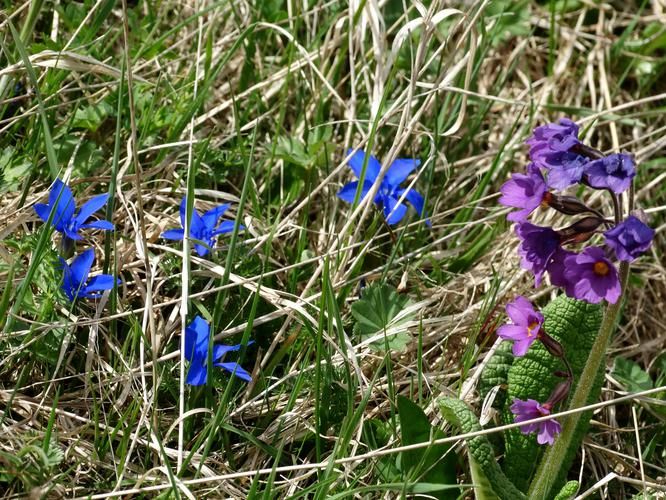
(553, 459)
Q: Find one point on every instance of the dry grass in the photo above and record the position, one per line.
(461, 95)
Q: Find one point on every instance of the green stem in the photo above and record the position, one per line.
(553, 459)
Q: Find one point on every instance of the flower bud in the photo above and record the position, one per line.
(551, 345)
(568, 205)
(560, 393)
(581, 230)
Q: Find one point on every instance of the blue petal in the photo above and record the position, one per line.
(197, 374)
(71, 234)
(227, 226)
(196, 339)
(66, 279)
(196, 223)
(62, 199)
(392, 211)
(211, 217)
(220, 350)
(43, 211)
(348, 191)
(173, 234)
(81, 267)
(237, 370)
(414, 198)
(202, 250)
(99, 283)
(99, 224)
(356, 164)
(400, 170)
(89, 208)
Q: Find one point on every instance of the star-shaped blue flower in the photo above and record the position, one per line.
(62, 204)
(197, 339)
(203, 228)
(389, 191)
(75, 278)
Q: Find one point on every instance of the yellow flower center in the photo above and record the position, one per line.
(601, 268)
(534, 325)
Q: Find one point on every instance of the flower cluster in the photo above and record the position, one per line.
(559, 160)
(197, 345)
(60, 212)
(389, 193)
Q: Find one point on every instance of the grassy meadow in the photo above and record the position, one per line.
(350, 328)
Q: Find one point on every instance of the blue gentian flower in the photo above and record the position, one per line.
(197, 339)
(61, 202)
(389, 191)
(203, 228)
(75, 278)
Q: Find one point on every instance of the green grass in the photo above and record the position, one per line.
(255, 104)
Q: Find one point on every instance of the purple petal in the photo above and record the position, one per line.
(512, 332)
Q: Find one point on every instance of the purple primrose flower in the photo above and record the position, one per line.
(590, 276)
(75, 278)
(62, 204)
(389, 191)
(523, 191)
(565, 169)
(552, 138)
(203, 228)
(530, 409)
(538, 245)
(613, 172)
(526, 325)
(629, 238)
(197, 340)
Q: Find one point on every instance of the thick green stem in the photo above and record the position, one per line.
(553, 459)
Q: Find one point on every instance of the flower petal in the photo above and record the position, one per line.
(414, 198)
(90, 207)
(356, 164)
(105, 225)
(196, 339)
(211, 217)
(99, 283)
(227, 226)
(197, 374)
(348, 191)
(81, 268)
(62, 199)
(236, 369)
(392, 211)
(400, 169)
(173, 234)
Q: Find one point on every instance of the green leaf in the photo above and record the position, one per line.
(381, 312)
(631, 375)
(483, 462)
(435, 464)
